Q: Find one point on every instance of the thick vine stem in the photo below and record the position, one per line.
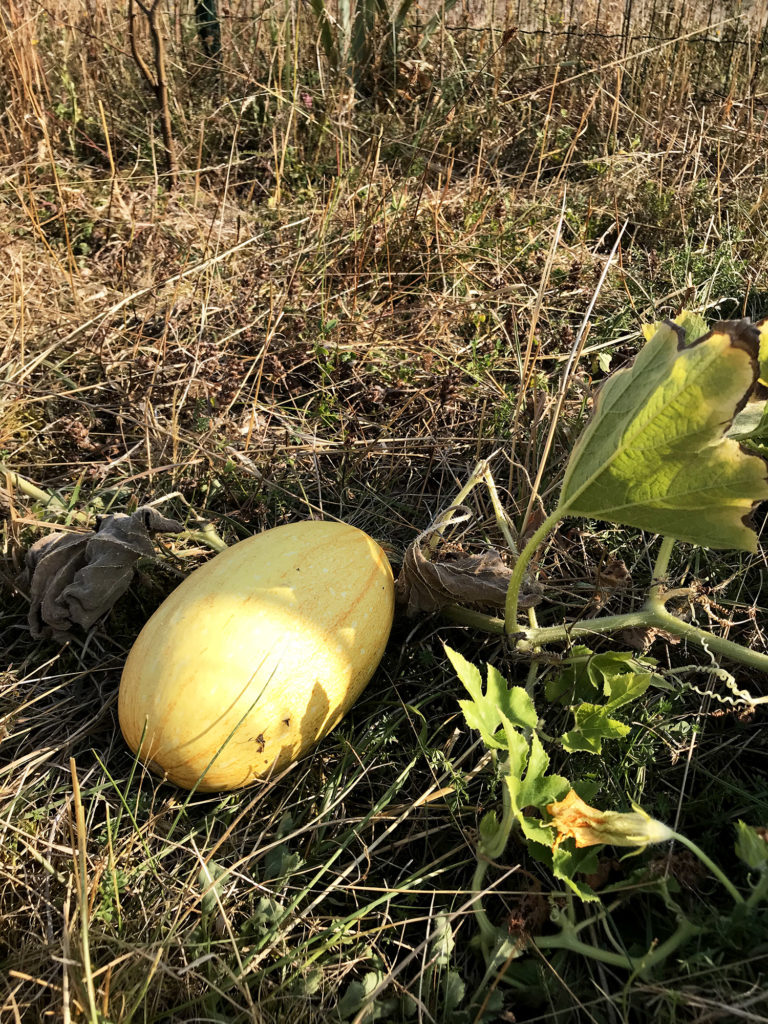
(662, 619)
(484, 923)
(31, 490)
(648, 617)
(208, 536)
(567, 939)
(759, 892)
(488, 851)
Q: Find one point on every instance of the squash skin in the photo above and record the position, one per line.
(257, 655)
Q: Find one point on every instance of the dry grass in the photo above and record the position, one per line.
(345, 301)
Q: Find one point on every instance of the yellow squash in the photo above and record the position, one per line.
(257, 655)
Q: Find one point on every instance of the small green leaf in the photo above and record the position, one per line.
(279, 862)
(265, 916)
(604, 360)
(567, 862)
(486, 711)
(617, 675)
(584, 675)
(468, 673)
(353, 998)
(518, 747)
(309, 984)
(624, 687)
(536, 831)
(750, 423)
(542, 851)
(357, 995)
(488, 829)
(654, 454)
(477, 718)
(454, 989)
(592, 725)
(514, 701)
(610, 663)
(751, 847)
(574, 680)
(442, 941)
(210, 878)
(539, 789)
(530, 786)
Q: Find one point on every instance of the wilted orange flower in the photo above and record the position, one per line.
(572, 817)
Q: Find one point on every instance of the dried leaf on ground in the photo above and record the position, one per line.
(452, 576)
(73, 579)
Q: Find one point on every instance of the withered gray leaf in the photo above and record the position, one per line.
(642, 638)
(75, 578)
(454, 577)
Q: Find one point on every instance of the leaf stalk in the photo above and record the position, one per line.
(518, 573)
(567, 939)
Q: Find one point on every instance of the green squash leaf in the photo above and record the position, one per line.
(529, 785)
(654, 454)
(356, 994)
(584, 675)
(442, 941)
(592, 725)
(539, 789)
(210, 878)
(573, 680)
(692, 324)
(623, 687)
(619, 676)
(454, 990)
(751, 423)
(501, 702)
(567, 862)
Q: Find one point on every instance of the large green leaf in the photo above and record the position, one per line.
(654, 454)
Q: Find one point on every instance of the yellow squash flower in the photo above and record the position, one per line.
(575, 819)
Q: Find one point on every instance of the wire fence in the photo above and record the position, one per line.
(718, 45)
